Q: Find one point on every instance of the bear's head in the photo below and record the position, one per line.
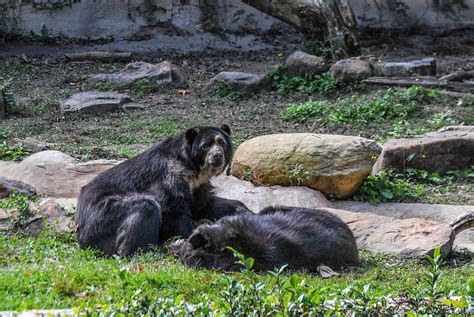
(210, 150)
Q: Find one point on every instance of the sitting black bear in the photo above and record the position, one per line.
(298, 237)
(157, 194)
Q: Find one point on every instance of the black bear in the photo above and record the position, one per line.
(298, 237)
(157, 194)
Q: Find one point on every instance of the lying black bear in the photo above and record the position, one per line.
(155, 195)
(298, 237)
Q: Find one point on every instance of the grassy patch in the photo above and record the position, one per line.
(51, 272)
(10, 153)
(417, 186)
(224, 90)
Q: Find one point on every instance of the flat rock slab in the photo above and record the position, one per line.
(451, 148)
(160, 75)
(441, 213)
(257, 198)
(97, 102)
(246, 83)
(302, 64)
(405, 237)
(336, 165)
(30, 144)
(53, 173)
(421, 67)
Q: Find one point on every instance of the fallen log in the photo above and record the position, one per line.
(425, 81)
(105, 57)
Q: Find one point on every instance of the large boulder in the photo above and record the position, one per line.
(7, 186)
(301, 64)
(336, 165)
(54, 174)
(163, 74)
(451, 148)
(421, 67)
(97, 102)
(245, 83)
(351, 70)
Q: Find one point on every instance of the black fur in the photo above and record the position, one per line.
(155, 195)
(299, 237)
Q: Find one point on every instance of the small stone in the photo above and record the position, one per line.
(351, 70)
(422, 67)
(96, 102)
(161, 75)
(9, 185)
(302, 64)
(30, 144)
(240, 82)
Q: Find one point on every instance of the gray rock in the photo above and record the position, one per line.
(161, 75)
(50, 215)
(451, 148)
(96, 102)
(441, 213)
(30, 144)
(9, 185)
(351, 70)
(301, 64)
(240, 82)
(54, 174)
(257, 198)
(422, 67)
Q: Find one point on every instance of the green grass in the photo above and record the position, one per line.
(10, 153)
(50, 271)
(310, 84)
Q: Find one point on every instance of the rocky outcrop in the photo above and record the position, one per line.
(163, 74)
(97, 102)
(302, 64)
(422, 67)
(245, 83)
(448, 149)
(54, 174)
(351, 70)
(336, 165)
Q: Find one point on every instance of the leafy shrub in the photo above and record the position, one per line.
(323, 84)
(8, 96)
(388, 186)
(10, 153)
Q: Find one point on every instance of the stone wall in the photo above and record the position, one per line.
(144, 19)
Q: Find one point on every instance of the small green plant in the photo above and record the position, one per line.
(19, 206)
(224, 90)
(103, 86)
(323, 84)
(389, 186)
(143, 88)
(442, 119)
(8, 96)
(309, 109)
(298, 172)
(10, 153)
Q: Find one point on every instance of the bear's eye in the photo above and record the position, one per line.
(205, 146)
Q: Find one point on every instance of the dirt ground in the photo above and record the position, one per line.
(42, 80)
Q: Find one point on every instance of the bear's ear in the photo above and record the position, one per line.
(197, 239)
(191, 135)
(226, 128)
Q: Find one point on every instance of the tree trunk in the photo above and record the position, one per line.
(323, 20)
